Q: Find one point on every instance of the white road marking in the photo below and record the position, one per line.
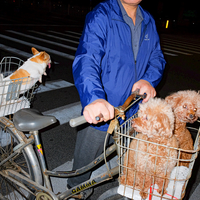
(55, 37)
(64, 34)
(169, 54)
(15, 51)
(175, 51)
(53, 85)
(64, 55)
(43, 40)
(74, 33)
(191, 46)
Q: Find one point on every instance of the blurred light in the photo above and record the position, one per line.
(167, 24)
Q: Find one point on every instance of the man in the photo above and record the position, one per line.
(119, 52)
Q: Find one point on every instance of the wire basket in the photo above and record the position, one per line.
(15, 94)
(132, 181)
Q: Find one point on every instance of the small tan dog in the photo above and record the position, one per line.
(24, 77)
(147, 163)
(186, 108)
(34, 67)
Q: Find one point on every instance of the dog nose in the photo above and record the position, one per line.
(191, 116)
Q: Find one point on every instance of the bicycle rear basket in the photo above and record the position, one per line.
(132, 180)
(15, 94)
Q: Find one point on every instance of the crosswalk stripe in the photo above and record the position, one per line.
(180, 43)
(55, 37)
(167, 48)
(175, 51)
(53, 85)
(185, 49)
(15, 51)
(65, 55)
(169, 54)
(63, 34)
(73, 33)
(43, 40)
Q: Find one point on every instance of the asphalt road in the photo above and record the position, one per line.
(181, 50)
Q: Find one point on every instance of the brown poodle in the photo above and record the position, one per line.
(149, 160)
(186, 108)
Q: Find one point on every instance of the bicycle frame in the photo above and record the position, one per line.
(27, 184)
(23, 180)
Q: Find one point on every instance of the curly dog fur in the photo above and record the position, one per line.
(146, 162)
(186, 108)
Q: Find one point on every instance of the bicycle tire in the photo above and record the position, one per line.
(24, 160)
(112, 194)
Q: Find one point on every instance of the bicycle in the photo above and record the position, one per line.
(23, 171)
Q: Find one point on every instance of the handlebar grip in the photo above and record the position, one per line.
(77, 121)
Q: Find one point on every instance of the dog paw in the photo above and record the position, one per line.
(143, 195)
(160, 191)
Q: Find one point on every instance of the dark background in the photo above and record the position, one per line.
(183, 14)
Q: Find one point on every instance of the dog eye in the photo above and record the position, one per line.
(185, 106)
(195, 109)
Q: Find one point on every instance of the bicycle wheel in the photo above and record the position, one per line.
(112, 194)
(22, 163)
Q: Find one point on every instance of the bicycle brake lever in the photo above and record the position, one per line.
(137, 95)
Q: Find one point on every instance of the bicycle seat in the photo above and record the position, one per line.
(28, 119)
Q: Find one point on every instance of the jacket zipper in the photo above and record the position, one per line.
(145, 28)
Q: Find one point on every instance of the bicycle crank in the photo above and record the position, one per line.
(43, 196)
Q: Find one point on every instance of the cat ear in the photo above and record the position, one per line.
(34, 51)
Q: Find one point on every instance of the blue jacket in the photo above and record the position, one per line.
(104, 65)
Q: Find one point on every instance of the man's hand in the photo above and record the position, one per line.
(99, 107)
(144, 87)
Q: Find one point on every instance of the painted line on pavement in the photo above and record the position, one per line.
(79, 34)
(185, 45)
(64, 34)
(15, 51)
(169, 54)
(175, 51)
(53, 85)
(43, 40)
(55, 37)
(68, 56)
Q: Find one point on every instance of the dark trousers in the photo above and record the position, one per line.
(89, 145)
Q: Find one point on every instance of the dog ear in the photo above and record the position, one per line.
(34, 51)
(198, 104)
(162, 125)
(173, 100)
(43, 56)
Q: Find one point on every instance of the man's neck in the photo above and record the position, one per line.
(131, 11)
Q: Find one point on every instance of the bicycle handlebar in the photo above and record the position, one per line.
(81, 120)
(77, 121)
